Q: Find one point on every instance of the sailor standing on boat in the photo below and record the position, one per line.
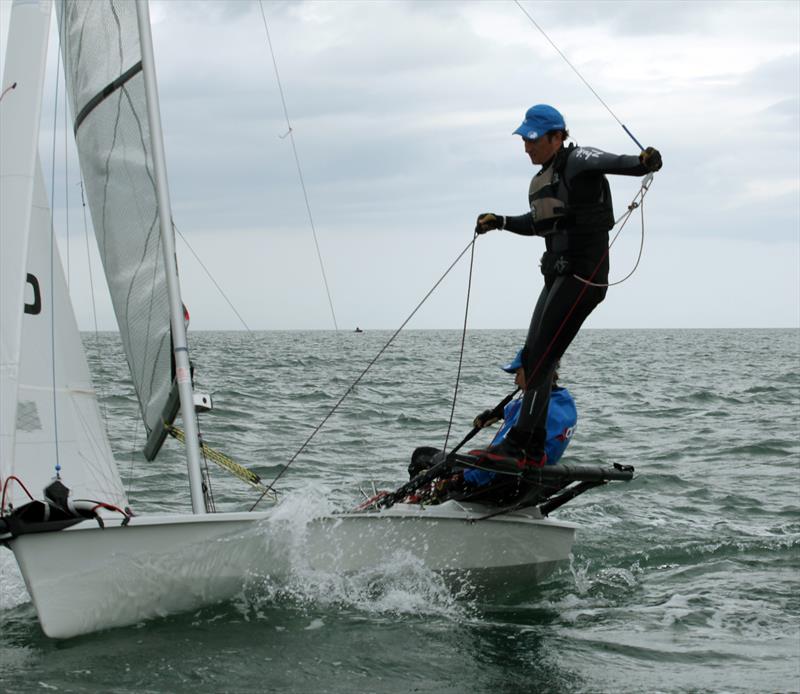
(570, 206)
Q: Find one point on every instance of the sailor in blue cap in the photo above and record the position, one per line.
(562, 419)
(570, 206)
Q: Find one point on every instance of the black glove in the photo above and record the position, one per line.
(651, 159)
(484, 419)
(488, 221)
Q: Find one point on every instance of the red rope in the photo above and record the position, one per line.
(5, 489)
(586, 284)
(529, 378)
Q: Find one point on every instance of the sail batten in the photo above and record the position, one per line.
(105, 84)
(105, 92)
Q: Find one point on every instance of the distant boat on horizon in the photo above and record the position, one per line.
(358, 330)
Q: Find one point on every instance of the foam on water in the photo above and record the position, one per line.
(400, 585)
(12, 586)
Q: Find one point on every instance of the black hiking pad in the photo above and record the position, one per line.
(561, 472)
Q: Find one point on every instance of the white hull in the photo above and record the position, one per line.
(85, 578)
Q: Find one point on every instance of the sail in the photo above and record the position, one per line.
(20, 111)
(58, 420)
(100, 48)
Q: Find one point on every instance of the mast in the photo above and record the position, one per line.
(180, 348)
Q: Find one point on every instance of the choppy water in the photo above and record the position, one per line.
(685, 580)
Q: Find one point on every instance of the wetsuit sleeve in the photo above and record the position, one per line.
(591, 160)
(521, 224)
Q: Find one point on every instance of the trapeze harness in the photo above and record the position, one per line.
(566, 225)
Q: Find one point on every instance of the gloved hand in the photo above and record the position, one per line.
(651, 158)
(484, 419)
(488, 221)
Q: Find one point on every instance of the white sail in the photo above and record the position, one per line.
(20, 111)
(58, 420)
(100, 47)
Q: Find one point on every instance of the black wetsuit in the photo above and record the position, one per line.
(576, 240)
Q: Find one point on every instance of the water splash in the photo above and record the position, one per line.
(12, 587)
(401, 584)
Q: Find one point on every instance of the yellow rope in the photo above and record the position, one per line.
(225, 462)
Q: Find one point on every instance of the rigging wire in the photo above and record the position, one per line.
(290, 134)
(66, 175)
(92, 292)
(363, 373)
(52, 272)
(463, 338)
(211, 277)
(575, 70)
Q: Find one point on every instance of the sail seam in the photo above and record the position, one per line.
(105, 92)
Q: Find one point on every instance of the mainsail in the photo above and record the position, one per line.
(102, 61)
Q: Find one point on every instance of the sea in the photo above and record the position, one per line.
(686, 579)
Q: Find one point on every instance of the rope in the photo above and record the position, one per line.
(586, 284)
(363, 373)
(215, 456)
(575, 70)
(463, 337)
(626, 216)
(290, 134)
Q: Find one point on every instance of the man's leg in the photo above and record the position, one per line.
(560, 311)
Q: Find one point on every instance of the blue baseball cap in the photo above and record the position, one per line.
(514, 364)
(540, 119)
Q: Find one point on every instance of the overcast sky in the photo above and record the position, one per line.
(402, 114)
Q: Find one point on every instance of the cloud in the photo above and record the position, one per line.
(402, 115)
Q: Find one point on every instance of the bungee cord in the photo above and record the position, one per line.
(638, 201)
(349, 389)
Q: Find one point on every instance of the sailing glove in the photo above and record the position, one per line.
(484, 419)
(651, 159)
(488, 221)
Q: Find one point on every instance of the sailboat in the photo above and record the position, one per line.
(89, 562)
